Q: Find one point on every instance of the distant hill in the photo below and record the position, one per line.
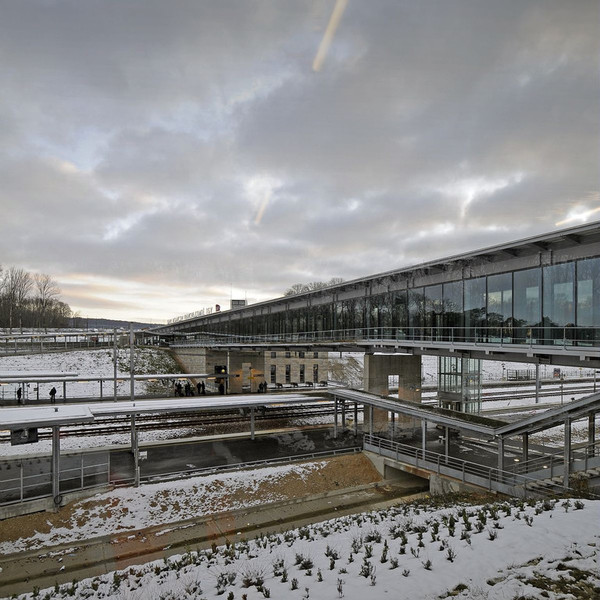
(85, 323)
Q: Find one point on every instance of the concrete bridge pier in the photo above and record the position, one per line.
(378, 369)
(245, 367)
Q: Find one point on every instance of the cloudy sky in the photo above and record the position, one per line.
(159, 157)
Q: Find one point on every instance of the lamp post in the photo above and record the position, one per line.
(562, 380)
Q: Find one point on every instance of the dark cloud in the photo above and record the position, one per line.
(187, 151)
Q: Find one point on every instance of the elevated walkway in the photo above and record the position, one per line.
(426, 463)
(548, 465)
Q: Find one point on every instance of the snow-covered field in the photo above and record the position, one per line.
(127, 509)
(503, 551)
(87, 363)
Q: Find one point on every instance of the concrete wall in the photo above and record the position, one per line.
(440, 486)
(249, 368)
(378, 367)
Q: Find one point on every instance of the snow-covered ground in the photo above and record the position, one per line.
(87, 363)
(501, 551)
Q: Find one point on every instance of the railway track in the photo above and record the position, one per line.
(116, 425)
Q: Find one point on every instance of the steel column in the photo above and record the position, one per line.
(131, 363)
(335, 418)
(447, 441)
(424, 434)
(56, 464)
(115, 364)
(525, 447)
(591, 433)
(567, 454)
(501, 454)
(356, 418)
(251, 422)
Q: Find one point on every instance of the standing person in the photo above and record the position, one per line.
(203, 388)
(53, 395)
(199, 386)
(188, 389)
(221, 389)
(179, 389)
(19, 394)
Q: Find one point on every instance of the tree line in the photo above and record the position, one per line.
(30, 300)
(299, 288)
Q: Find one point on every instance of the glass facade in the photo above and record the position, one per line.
(558, 304)
(459, 384)
(588, 299)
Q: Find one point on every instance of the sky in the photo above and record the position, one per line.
(158, 158)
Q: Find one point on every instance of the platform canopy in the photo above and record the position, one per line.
(44, 416)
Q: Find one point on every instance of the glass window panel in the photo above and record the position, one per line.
(588, 293)
(452, 294)
(588, 300)
(416, 302)
(527, 294)
(399, 309)
(433, 306)
(559, 308)
(499, 300)
(475, 303)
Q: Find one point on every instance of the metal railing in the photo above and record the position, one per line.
(485, 476)
(181, 474)
(556, 460)
(92, 470)
(563, 337)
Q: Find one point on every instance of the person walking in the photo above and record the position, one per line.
(19, 394)
(199, 387)
(203, 388)
(53, 395)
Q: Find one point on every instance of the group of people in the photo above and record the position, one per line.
(188, 390)
(262, 387)
(20, 395)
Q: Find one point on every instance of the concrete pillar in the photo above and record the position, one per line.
(393, 425)
(424, 434)
(567, 454)
(55, 462)
(252, 425)
(246, 370)
(375, 380)
(343, 415)
(356, 418)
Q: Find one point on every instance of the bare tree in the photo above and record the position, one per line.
(300, 288)
(47, 293)
(17, 285)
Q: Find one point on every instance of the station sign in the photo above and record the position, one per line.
(23, 436)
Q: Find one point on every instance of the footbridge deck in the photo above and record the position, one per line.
(555, 468)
